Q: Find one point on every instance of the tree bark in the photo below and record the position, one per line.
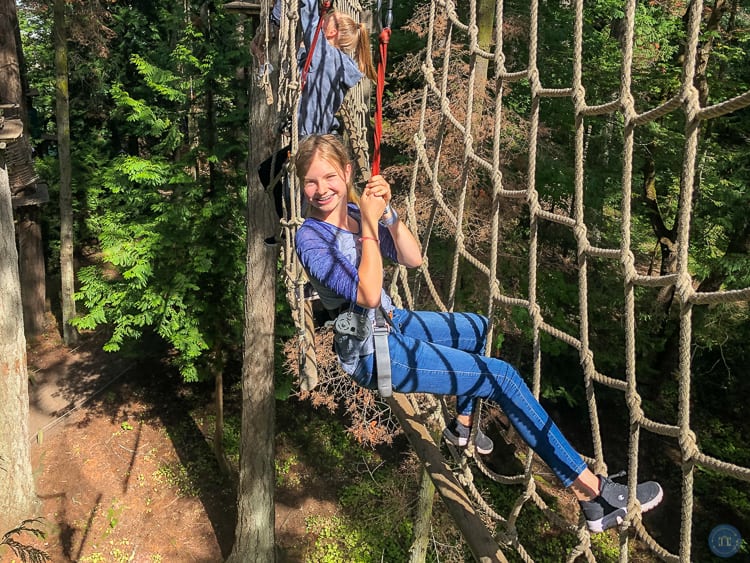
(485, 31)
(10, 75)
(18, 499)
(31, 249)
(254, 532)
(67, 269)
(31, 269)
(423, 520)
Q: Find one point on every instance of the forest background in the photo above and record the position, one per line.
(160, 94)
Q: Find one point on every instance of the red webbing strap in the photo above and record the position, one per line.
(323, 10)
(385, 36)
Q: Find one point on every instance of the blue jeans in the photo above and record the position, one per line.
(442, 354)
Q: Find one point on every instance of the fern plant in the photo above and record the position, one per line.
(168, 219)
(26, 553)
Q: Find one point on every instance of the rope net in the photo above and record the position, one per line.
(463, 143)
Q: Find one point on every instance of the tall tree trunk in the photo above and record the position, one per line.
(31, 269)
(31, 249)
(423, 520)
(67, 269)
(254, 533)
(18, 499)
(10, 74)
(485, 29)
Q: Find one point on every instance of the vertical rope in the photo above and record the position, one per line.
(384, 38)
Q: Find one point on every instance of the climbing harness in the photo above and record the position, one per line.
(354, 321)
(380, 330)
(382, 326)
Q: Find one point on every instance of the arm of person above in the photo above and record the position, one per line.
(275, 15)
(309, 16)
(407, 248)
(309, 13)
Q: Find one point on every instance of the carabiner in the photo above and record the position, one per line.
(385, 24)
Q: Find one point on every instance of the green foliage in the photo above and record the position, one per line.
(24, 552)
(340, 540)
(544, 543)
(375, 495)
(165, 222)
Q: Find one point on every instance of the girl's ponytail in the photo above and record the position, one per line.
(364, 55)
(354, 39)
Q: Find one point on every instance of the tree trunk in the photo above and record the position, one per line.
(217, 367)
(254, 533)
(10, 74)
(485, 31)
(31, 269)
(31, 250)
(17, 493)
(423, 520)
(67, 269)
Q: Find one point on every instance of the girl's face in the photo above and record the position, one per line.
(325, 185)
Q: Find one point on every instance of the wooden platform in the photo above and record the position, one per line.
(245, 8)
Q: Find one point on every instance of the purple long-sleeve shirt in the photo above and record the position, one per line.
(331, 257)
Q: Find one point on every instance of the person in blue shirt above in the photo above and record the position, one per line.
(342, 244)
(340, 59)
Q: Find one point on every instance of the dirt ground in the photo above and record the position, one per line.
(126, 476)
(124, 470)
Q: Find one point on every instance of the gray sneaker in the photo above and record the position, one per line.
(610, 507)
(458, 435)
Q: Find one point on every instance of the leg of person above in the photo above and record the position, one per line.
(419, 366)
(272, 174)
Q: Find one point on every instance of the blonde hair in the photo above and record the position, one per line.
(330, 148)
(354, 39)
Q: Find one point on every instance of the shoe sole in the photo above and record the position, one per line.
(615, 518)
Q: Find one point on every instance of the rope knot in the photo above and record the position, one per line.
(580, 231)
(627, 103)
(587, 361)
(628, 265)
(534, 82)
(633, 401)
(692, 103)
(684, 287)
(688, 445)
(532, 199)
(535, 312)
(579, 98)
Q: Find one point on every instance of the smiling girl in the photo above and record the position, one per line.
(342, 244)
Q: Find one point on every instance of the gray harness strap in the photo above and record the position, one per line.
(382, 353)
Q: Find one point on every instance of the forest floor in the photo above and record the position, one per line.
(121, 453)
(126, 475)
